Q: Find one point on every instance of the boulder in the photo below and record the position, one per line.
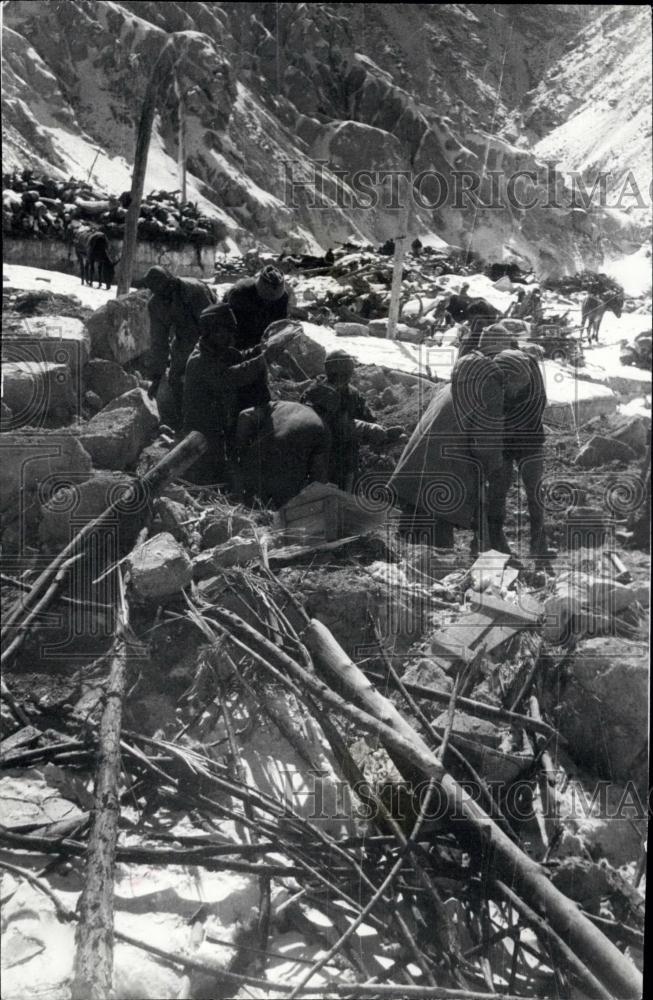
(562, 614)
(159, 567)
(93, 402)
(74, 504)
(635, 434)
(172, 517)
(601, 450)
(42, 459)
(39, 393)
(238, 551)
(428, 673)
(107, 379)
(304, 357)
(59, 339)
(115, 437)
(120, 329)
(351, 330)
(602, 709)
(220, 529)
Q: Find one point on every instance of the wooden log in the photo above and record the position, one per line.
(93, 968)
(593, 949)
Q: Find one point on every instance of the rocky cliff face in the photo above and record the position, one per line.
(269, 89)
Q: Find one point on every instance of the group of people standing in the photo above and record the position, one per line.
(456, 469)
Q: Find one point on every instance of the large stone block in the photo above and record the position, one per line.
(42, 459)
(115, 437)
(602, 709)
(601, 450)
(108, 379)
(304, 357)
(38, 393)
(120, 329)
(159, 567)
(74, 504)
(60, 339)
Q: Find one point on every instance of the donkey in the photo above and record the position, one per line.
(593, 310)
(92, 249)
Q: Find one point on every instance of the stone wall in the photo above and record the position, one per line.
(55, 255)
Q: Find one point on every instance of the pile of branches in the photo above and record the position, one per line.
(44, 207)
(459, 908)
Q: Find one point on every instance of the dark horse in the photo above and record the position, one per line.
(594, 308)
(92, 249)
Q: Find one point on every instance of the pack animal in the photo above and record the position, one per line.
(593, 310)
(92, 249)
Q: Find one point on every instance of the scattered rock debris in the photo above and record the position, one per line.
(290, 679)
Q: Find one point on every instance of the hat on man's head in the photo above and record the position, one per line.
(218, 317)
(270, 284)
(495, 338)
(157, 279)
(339, 360)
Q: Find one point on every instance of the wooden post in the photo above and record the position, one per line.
(93, 970)
(143, 137)
(181, 143)
(398, 267)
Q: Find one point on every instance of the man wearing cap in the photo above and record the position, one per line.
(346, 414)
(174, 310)
(216, 374)
(257, 302)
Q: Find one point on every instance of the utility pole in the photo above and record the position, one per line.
(143, 136)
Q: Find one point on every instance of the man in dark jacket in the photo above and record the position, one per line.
(348, 417)
(257, 302)
(282, 447)
(174, 311)
(216, 374)
(523, 447)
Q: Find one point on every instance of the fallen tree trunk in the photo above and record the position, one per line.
(93, 969)
(509, 862)
(50, 580)
(516, 869)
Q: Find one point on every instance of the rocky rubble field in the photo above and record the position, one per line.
(282, 696)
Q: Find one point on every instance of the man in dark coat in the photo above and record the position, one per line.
(345, 412)
(523, 447)
(282, 447)
(174, 311)
(216, 374)
(257, 302)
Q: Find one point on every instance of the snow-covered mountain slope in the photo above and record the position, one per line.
(271, 88)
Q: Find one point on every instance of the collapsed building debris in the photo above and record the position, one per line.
(345, 755)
